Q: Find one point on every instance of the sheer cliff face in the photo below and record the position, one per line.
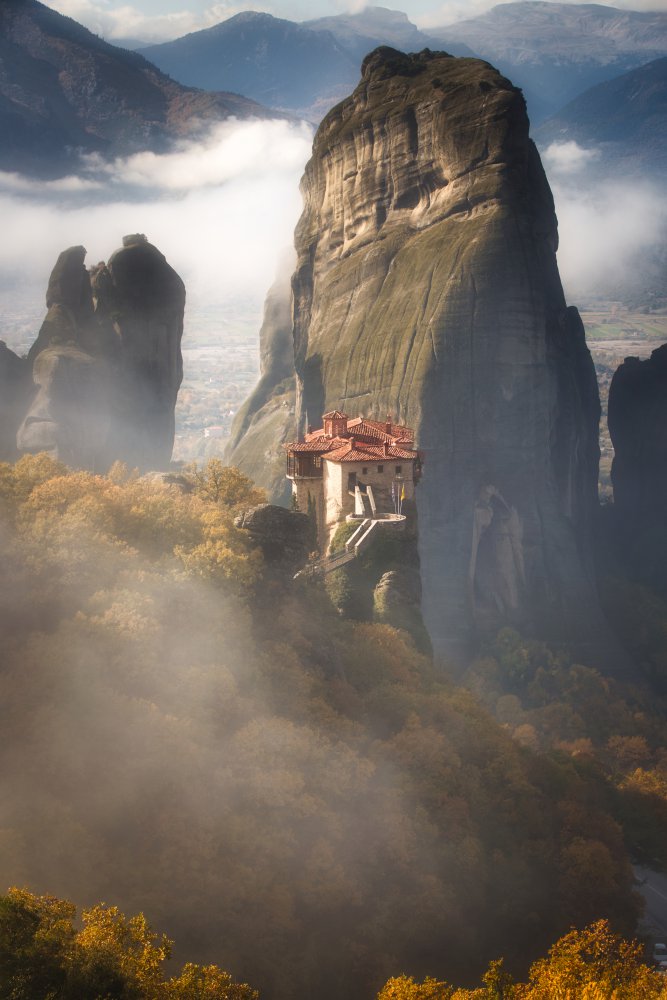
(426, 286)
(638, 428)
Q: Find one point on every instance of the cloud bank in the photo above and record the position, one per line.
(221, 211)
(607, 226)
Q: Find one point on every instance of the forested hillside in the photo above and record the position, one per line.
(293, 795)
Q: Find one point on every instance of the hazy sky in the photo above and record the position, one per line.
(156, 20)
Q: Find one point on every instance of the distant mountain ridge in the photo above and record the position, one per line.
(555, 51)
(625, 119)
(64, 90)
(283, 63)
(305, 68)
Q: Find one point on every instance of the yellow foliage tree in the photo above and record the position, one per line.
(225, 485)
(589, 964)
(110, 958)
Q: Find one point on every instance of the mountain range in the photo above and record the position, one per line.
(304, 67)
(554, 51)
(64, 91)
(624, 120)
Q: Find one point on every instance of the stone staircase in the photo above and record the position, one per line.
(355, 545)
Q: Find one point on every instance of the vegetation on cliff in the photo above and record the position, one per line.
(209, 742)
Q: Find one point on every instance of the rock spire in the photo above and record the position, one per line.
(426, 286)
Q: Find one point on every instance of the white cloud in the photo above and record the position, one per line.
(568, 158)
(18, 184)
(221, 211)
(603, 227)
(232, 149)
(451, 12)
(129, 21)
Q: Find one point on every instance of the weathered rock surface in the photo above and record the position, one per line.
(426, 286)
(71, 415)
(16, 391)
(638, 429)
(70, 316)
(107, 361)
(397, 601)
(285, 536)
(265, 421)
(146, 300)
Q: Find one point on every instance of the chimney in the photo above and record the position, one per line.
(386, 448)
(387, 426)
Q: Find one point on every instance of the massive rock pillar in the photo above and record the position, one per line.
(638, 428)
(426, 286)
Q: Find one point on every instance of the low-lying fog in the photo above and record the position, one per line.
(220, 211)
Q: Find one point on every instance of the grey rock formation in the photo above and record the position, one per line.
(16, 391)
(72, 413)
(397, 602)
(145, 298)
(638, 429)
(69, 304)
(426, 286)
(266, 420)
(283, 535)
(107, 361)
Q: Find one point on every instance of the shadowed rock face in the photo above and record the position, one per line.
(107, 361)
(71, 415)
(638, 429)
(285, 536)
(146, 301)
(426, 286)
(16, 391)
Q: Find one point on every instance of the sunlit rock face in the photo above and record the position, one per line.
(107, 363)
(265, 422)
(426, 287)
(638, 429)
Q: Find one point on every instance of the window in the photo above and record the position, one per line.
(380, 468)
(351, 480)
(399, 468)
(317, 461)
(364, 471)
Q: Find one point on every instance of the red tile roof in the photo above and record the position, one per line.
(364, 441)
(362, 452)
(334, 415)
(318, 446)
(378, 429)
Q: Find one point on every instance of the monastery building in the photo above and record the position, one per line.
(352, 468)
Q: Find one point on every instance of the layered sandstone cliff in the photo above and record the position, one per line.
(426, 287)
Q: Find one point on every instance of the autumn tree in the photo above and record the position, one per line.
(43, 956)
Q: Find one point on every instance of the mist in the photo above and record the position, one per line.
(220, 211)
(608, 225)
